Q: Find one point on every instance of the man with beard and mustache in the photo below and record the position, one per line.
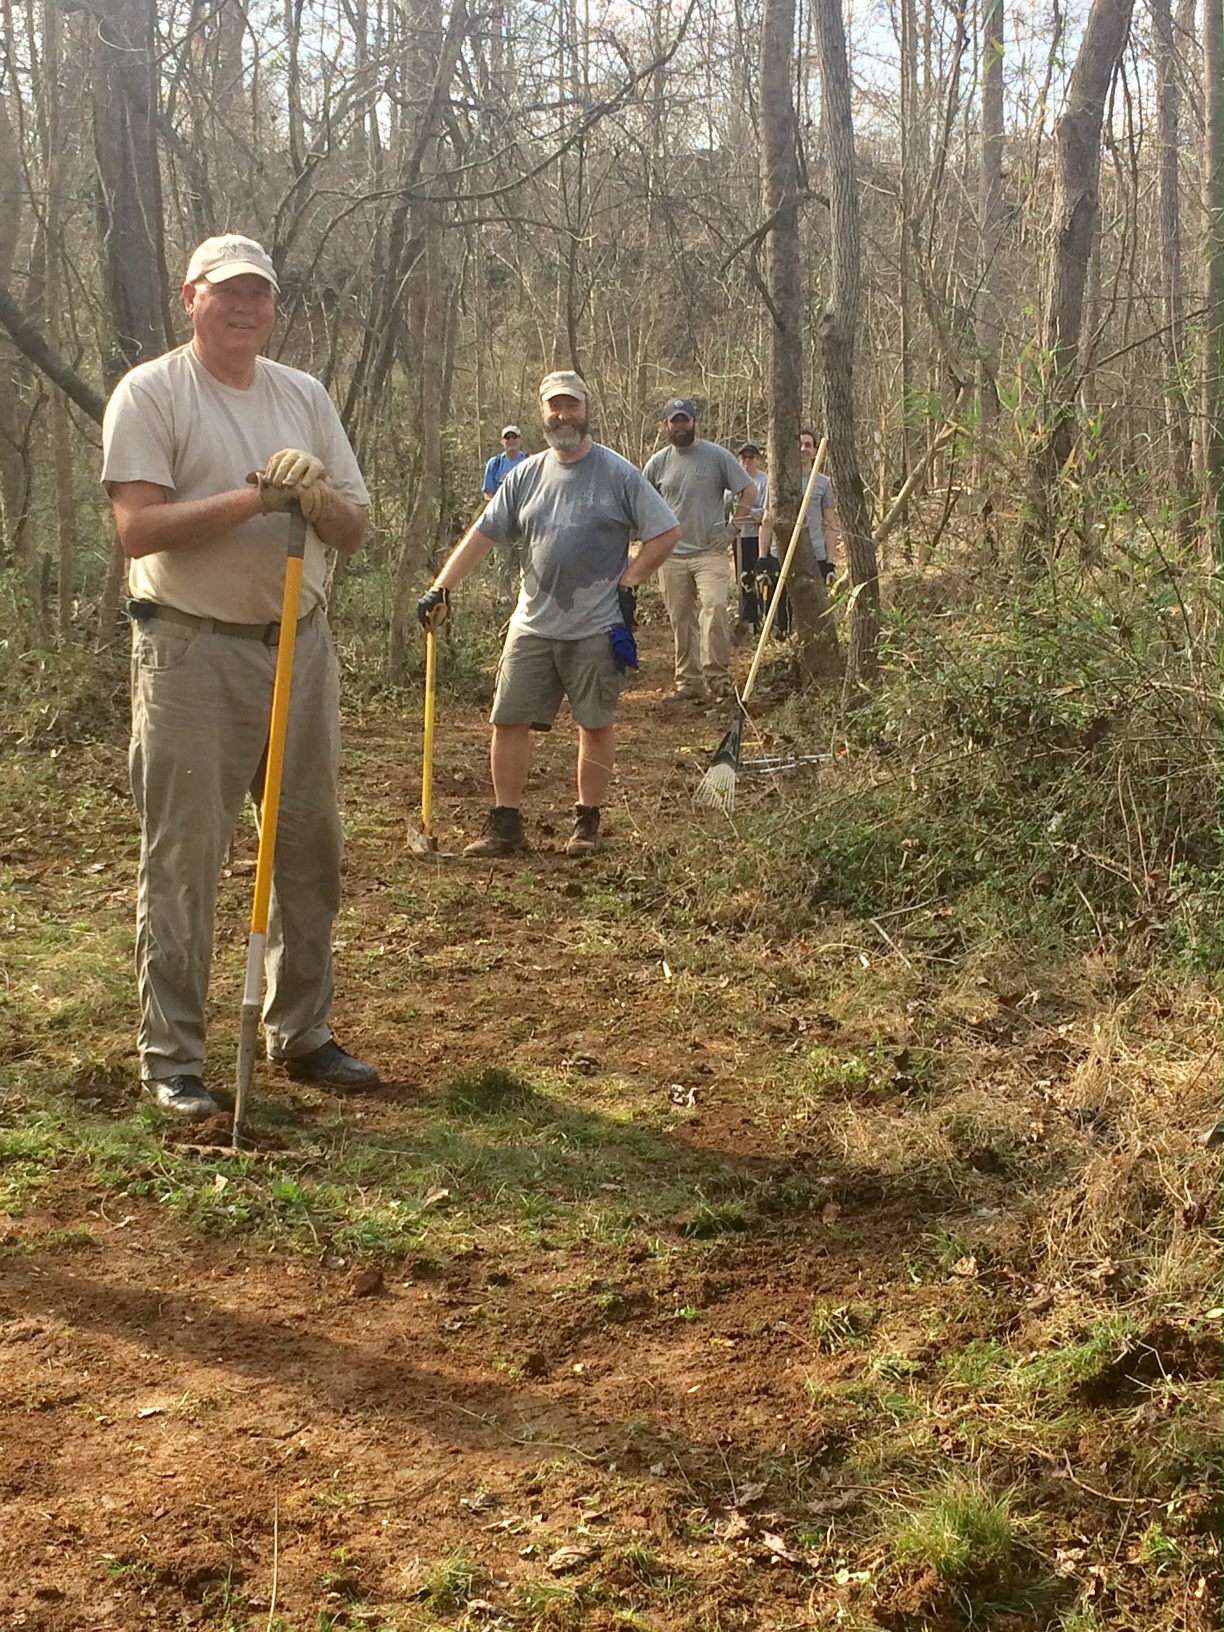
(694, 476)
(571, 511)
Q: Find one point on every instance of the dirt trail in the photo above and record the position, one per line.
(185, 1417)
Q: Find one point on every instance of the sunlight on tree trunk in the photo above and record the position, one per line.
(815, 634)
(837, 339)
(1078, 139)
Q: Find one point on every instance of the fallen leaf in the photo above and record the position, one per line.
(735, 1527)
(830, 1212)
(435, 1198)
(751, 1493)
(152, 1411)
(369, 1283)
(777, 1548)
(567, 1559)
(220, 1182)
(965, 1267)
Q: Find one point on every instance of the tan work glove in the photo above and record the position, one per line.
(293, 468)
(273, 499)
(314, 501)
(276, 499)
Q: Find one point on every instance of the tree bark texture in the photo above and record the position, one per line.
(837, 333)
(129, 189)
(990, 227)
(1077, 208)
(1213, 362)
(1177, 412)
(815, 634)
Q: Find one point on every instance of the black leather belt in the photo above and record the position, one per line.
(267, 633)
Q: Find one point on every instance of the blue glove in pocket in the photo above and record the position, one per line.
(624, 648)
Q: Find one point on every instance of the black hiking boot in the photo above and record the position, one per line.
(330, 1066)
(184, 1096)
(503, 834)
(584, 840)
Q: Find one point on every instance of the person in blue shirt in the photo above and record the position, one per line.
(501, 464)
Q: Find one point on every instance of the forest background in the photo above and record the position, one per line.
(457, 202)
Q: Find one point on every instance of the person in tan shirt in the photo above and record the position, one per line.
(204, 452)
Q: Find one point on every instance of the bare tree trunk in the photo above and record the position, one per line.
(1177, 413)
(420, 533)
(907, 91)
(129, 191)
(1077, 207)
(837, 337)
(990, 230)
(65, 507)
(815, 634)
(13, 474)
(1213, 362)
(129, 214)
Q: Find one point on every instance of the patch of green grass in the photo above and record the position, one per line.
(981, 1363)
(894, 1368)
(1060, 1370)
(491, 1092)
(65, 1240)
(960, 1532)
(1079, 1618)
(841, 1326)
(457, 1579)
(1159, 1552)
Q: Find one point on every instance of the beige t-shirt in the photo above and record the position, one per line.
(171, 422)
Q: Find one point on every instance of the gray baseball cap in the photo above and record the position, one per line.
(680, 407)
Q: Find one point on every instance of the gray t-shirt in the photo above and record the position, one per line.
(693, 481)
(822, 501)
(573, 523)
(756, 514)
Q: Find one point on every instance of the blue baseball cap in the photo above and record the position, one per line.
(680, 406)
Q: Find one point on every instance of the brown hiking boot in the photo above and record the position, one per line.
(503, 834)
(584, 840)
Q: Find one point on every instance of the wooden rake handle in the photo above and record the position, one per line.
(772, 609)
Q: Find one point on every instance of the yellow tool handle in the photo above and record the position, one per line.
(775, 594)
(431, 671)
(269, 808)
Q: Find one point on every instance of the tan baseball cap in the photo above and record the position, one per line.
(563, 384)
(229, 256)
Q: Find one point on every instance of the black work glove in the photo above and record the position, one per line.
(433, 607)
(626, 599)
(748, 581)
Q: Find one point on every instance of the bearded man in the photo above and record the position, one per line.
(693, 476)
(571, 511)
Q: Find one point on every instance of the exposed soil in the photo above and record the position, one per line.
(186, 1419)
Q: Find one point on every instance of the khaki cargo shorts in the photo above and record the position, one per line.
(535, 673)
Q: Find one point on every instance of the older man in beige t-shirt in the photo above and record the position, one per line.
(206, 548)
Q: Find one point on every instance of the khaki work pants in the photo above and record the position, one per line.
(695, 591)
(201, 704)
